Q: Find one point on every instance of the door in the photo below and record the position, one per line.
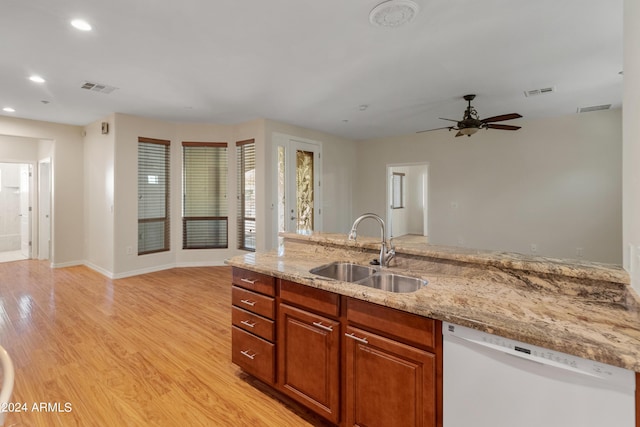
(299, 170)
(25, 210)
(44, 209)
(308, 360)
(388, 383)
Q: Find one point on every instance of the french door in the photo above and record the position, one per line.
(299, 171)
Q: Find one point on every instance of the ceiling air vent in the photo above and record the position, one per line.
(542, 91)
(594, 108)
(98, 87)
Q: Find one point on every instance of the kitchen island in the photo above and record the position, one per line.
(584, 309)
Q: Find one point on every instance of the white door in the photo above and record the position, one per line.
(299, 171)
(25, 210)
(44, 209)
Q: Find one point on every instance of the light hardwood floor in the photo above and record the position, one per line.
(148, 350)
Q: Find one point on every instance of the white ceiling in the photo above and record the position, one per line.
(308, 63)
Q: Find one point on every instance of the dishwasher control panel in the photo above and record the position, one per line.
(538, 354)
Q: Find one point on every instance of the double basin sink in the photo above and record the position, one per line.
(372, 277)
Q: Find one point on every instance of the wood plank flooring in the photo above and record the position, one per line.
(148, 350)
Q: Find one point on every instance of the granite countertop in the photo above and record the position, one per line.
(581, 308)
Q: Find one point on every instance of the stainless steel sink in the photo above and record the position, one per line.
(344, 271)
(369, 276)
(391, 282)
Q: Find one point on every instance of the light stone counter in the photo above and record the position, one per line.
(585, 309)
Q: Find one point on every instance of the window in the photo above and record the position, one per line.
(397, 189)
(153, 195)
(204, 208)
(246, 155)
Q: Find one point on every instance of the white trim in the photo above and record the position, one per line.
(67, 264)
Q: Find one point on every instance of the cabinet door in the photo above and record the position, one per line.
(308, 360)
(388, 383)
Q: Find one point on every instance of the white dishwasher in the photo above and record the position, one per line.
(490, 381)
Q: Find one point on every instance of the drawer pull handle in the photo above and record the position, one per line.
(249, 281)
(247, 354)
(247, 323)
(321, 326)
(246, 301)
(362, 340)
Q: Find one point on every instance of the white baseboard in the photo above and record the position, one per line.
(67, 264)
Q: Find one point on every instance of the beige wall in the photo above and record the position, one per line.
(554, 183)
(68, 192)
(631, 145)
(99, 196)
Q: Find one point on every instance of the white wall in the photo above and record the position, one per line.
(67, 172)
(631, 145)
(555, 183)
(99, 196)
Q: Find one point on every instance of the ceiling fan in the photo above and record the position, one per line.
(471, 122)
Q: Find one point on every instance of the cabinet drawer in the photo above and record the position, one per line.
(407, 327)
(253, 323)
(254, 355)
(254, 302)
(314, 299)
(255, 281)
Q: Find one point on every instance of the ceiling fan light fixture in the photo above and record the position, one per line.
(468, 131)
(393, 13)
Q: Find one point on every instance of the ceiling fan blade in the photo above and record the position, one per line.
(501, 118)
(429, 130)
(503, 127)
(451, 120)
(459, 134)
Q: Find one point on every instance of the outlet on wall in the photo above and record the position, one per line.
(534, 248)
(580, 252)
(129, 250)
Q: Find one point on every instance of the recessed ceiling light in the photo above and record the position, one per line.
(9, 110)
(81, 25)
(36, 79)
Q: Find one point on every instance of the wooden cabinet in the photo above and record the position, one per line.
(309, 348)
(253, 331)
(388, 383)
(353, 362)
(393, 368)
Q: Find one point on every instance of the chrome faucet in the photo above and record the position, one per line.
(385, 255)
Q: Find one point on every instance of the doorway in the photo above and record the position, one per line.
(299, 171)
(15, 211)
(408, 201)
(44, 209)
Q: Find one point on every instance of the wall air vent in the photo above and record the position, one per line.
(98, 87)
(542, 91)
(594, 108)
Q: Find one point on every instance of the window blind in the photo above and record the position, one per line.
(246, 157)
(205, 206)
(153, 195)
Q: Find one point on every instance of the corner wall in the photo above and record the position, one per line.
(631, 142)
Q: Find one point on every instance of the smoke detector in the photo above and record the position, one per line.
(393, 13)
